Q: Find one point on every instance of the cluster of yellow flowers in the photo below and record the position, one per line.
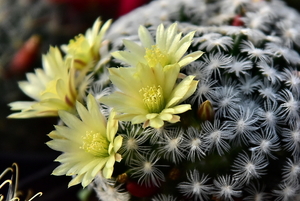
(63, 80)
(150, 91)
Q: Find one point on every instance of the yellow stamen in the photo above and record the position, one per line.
(155, 56)
(153, 98)
(80, 50)
(95, 144)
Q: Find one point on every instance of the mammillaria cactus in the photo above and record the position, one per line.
(183, 125)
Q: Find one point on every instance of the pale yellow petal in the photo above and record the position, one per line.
(124, 103)
(134, 48)
(178, 109)
(127, 57)
(175, 119)
(54, 135)
(96, 118)
(165, 116)
(151, 115)
(60, 170)
(112, 126)
(172, 48)
(192, 88)
(62, 93)
(125, 80)
(50, 104)
(88, 166)
(42, 78)
(109, 167)
(110, 161)
(86, 180)
(125, 117)
(110, 148)
(181, 91)
(99, 166)
(190, 58)
(171, 74)
(118, 143)
(21, 105)
(73, 135)
(156, 123)
(31, 89)
(181, 51)
(187, 38)
(137, 119)
(84, 114)
(107, 172)
(145, 37)
(160, 36)
(71, 121)
(171, 35)
(33, 114)
(147, 76)
(60, 145)
(105, 27)
(76, 180)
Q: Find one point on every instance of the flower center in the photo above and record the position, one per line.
(95, 144)
(79, 49)
(153, 98)
(155, 56)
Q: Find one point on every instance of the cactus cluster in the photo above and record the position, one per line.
(242, 137)
(202, 99)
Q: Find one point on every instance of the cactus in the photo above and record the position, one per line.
(223, 125)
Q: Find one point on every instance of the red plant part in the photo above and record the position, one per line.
(24, 58)
(141, 191)
(237, 21)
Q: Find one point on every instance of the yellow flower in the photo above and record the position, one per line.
(52, 88)
(149, 94)
(88, 144)
(168, 49)
(84, 49)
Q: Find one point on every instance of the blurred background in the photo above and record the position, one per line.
(27, 28)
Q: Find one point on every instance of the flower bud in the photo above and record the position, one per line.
(206, 111)
(122, 178)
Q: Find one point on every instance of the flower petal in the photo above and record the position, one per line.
(178, 109)
(138, 119)
(190, 58)
(134, 48)
(118, 143)
(76, 180)
(112, 126)
(182, 90)
(125, 80)
(127, 57)
(170, 76)
(156, 122)
(124, 103)
(70, 120)
(145, 36)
